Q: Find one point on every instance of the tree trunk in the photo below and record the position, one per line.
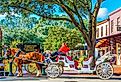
(91, 52)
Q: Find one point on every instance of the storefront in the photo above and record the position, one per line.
(110, 43)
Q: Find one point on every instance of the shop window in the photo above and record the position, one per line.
(106, 50)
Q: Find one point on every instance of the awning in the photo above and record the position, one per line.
(102, 43)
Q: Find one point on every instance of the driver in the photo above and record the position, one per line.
(64, 49)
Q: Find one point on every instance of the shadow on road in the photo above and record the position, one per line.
(14, 78)
(90, 77)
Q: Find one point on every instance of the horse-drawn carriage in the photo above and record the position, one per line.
(103, 67)
(32, 62)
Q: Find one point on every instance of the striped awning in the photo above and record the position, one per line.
(101, 43)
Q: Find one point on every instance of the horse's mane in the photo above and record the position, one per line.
(13, 50)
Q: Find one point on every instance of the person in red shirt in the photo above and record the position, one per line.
(63, 49)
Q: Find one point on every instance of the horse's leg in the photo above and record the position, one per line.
(19, 65)
(38, 69)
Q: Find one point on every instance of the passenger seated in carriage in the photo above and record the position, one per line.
(47, 56)
(63, 50)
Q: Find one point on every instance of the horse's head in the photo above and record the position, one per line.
(10, 52)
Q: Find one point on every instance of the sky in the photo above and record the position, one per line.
(106, 8)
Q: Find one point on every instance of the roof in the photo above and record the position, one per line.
(102, 22)
(117, 10)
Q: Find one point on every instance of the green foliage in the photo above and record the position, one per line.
(16, 21)
(14, 43)
(58, 35)
(37, 34)
(12, 36)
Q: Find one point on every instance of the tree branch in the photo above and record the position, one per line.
(80, 18)
(85, 36)
(86, 5)
(48, 1)
(97, 7)
(47, 17)
(95, 13)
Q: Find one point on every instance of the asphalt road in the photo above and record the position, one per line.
(64, 78)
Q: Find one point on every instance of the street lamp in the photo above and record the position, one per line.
(10, 65)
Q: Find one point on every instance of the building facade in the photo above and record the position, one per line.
(109, 35)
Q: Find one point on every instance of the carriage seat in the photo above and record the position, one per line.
(88, 62)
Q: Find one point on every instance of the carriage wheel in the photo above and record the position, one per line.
(61, 65)
(6, 67)
(61, 70)
(53, 70)
(104, 70)
(31, 68)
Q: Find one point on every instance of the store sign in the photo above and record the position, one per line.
(30, 47)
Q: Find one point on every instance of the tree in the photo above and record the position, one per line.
(13, 21)
(75, 12)
(13, 36)
(57, 35)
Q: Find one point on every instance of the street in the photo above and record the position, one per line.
(63, 78)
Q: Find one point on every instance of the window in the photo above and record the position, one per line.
(102, 31)
(106, 30)
(118, 21)
(97, 32)
(112, 24)
(118, 25)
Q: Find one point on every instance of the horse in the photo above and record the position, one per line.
(23, 58)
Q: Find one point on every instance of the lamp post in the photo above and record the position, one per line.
(10, 65)
(10, 68)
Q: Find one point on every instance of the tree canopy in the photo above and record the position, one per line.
(58, 35)
(73, 11)
(20, 32)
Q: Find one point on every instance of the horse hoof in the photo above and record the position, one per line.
(19, 75)
(38, 75)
